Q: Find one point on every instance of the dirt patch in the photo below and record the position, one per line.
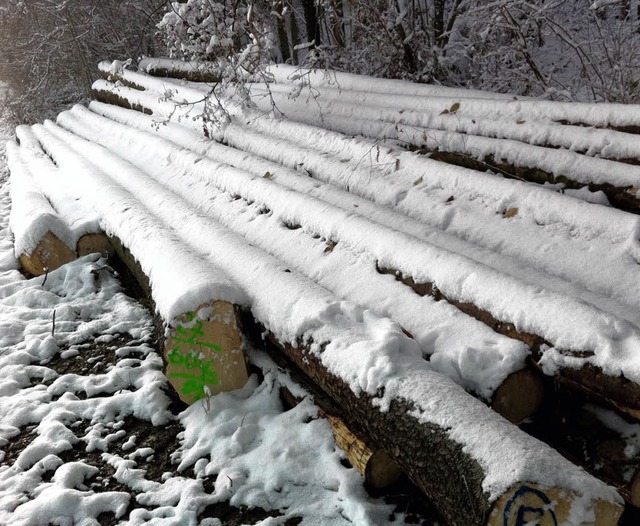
(18, 444)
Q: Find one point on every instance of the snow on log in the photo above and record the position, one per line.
(42, 239)
(320, 78)
(517, 394)
(571, 342)
(373, 371)
(424, 190)
(86, 234)
(539, 164)
(193, 297)
(195, 71)
(609, 144)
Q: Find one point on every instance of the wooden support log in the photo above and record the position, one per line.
(374, 464)
(377, 467)
(49, 254)
(441, 468)
(615, 391)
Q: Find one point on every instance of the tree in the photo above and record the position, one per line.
(50, 48)
(575, 50)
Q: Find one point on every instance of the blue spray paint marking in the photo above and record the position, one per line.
(524, 514)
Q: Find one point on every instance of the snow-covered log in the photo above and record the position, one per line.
(203, 345)
(483, 105)
(575, 363)
(421, 450)
(86, 234)
(551, 155)
(43, 241)
(505, 155)
(195, 71)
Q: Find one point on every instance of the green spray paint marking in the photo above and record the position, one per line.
(202, 374)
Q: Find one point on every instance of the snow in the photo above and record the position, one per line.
(315, 79)
(175, 291)
(32, 215)
(443, 333)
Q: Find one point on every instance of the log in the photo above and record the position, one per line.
(532, 504)
(623, 198)
(374, 464)
(614, 391)
(50, 254)
(109, 97)
(194, 71)
(204, 353)
(415, 413)
(440, 466)
(377, 467)
(517, 401)
(520, 395)
(94, 243)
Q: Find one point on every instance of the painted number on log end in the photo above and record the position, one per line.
(186, 354)
(529, 506)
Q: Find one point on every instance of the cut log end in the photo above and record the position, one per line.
(204, 353)
(548, 506)
(50, 254)
(94, 243)
(520, 396)
(377, 467)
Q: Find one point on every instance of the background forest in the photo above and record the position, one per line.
(582, 50)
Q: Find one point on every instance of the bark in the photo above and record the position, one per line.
(311, 21)
(94, 243)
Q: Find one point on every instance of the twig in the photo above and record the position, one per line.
(53, 323)
(46, 275)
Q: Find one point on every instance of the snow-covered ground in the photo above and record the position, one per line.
(89, 436)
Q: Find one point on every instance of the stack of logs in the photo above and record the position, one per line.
(384, 444)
